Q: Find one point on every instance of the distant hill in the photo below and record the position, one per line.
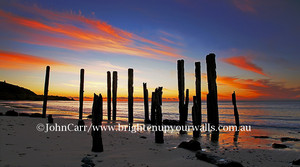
(14, 92)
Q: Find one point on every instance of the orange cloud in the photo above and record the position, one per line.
(244, 63)
(14, 60)
(76, 32)
(264, 89)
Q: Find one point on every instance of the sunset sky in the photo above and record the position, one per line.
(256, 45)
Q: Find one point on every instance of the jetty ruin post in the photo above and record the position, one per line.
(186, 105)
(130, 95)
(236, 113)
(198, 91)
(159, 134)
(97, 113)
(81, 90)
(108, 95)
(115, 87)
(212, 97)
(180, 75)
(195, 117)
(146, 103)
(153, 109)
(46, 91)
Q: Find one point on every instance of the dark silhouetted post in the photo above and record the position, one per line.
(50, 119)
(130, 95)
(186, 104)
(180, 75)
(159, 134)
(236, 113)
(80, 121)
(215, 136)
(115, 87)
(97, 113)
(46, 91)
(198, 91)
(108, 95)
(146, 103)
(195, 116)
(212, 98)
(153, 109)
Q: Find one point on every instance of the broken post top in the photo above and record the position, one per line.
(210, 59)
(130, 74)
(159, 90)
(233, 98)
(181, 60)
(195, 100)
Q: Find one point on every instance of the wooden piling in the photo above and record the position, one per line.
(195, 118)
(81, 93)
(212, 113)
(236, 113)
(198, 91)
(146, 103)
(46, 91)
(115, 87)
(108, 95)
(180, 75)
(214, 136)
(159, 134)
(81, 90)
(130, 95)
(153, 121)
(97, 113)
(208, 108)
(186, 105)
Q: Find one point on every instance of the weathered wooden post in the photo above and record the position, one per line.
(180, 75)
(46, 91)
(80, 121)
(195, 116)
(153, 121)
(159, 134)
(108, 95)
(212, 100)
(215, 136)
(146, 103)
(97, 111)
(198, 91)
(186, 105)
(208, 108)
(115, 87)
(236, 113)
(235, 138)
(130, 95)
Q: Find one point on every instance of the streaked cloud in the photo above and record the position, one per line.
(76, 32)
(262, 88)
(245, 63)
(19, 61)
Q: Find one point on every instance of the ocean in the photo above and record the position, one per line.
(264, 114)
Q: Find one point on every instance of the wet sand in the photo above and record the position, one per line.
(22, 145)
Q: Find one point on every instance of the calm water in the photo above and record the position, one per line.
(284, 115)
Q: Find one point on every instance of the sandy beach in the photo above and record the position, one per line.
(23, 145)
